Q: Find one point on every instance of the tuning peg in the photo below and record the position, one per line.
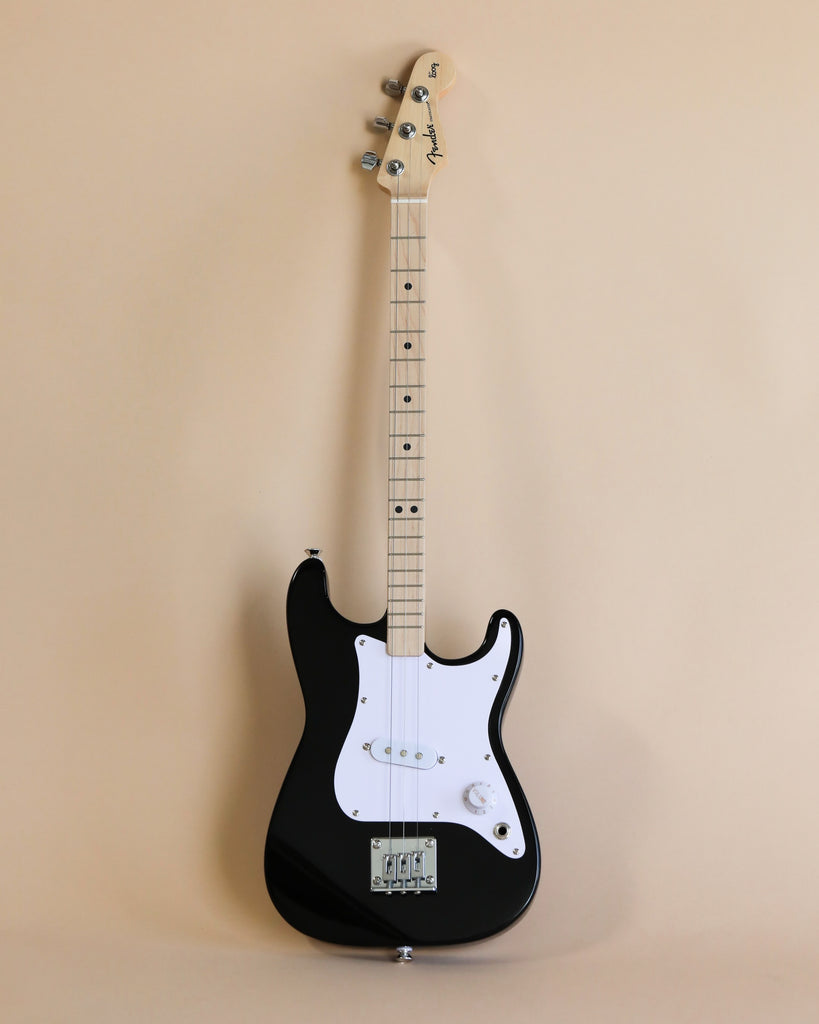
(370, 160)
(392, 87)
(383, 122)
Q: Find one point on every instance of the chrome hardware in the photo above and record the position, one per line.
(383, 122)
(393, 868)
(312, 552)
(501, 830)
(406, 130)
(395, 167)
(404, 954)
(370, 160)
(392, 87)
(420, 94)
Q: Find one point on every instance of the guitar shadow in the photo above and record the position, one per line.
(274, 711)
(273, 720)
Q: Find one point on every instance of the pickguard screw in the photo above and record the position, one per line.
(487, 757)
(434, 815)
(429, 879)
(363, 700)
(418, 756)
(441, 760)
(403, 753)
(504, 623)
(387, 750)
(495, 678)
(378, 880)
(429, 843)
(376, 844)
(366, 746)
(355, 814)
(516, 850)
(361, 643)
(429, 664)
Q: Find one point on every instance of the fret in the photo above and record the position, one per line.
(405, 330)
(408, 270)
(394, 237)
(407, 302)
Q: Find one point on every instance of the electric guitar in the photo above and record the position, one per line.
(400, 822)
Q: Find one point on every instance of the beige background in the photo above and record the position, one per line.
(624, 414)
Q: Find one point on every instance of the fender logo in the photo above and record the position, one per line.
(435, 151)
(433, 71)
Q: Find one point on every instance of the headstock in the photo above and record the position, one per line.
(416, 148)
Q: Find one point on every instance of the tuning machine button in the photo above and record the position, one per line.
(383, 122)
(392, 87)
(370, 160)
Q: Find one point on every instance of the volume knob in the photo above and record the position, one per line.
(480, 797)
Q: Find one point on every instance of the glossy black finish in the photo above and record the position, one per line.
(317, 858)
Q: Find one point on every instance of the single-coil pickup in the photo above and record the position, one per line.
(408, 755)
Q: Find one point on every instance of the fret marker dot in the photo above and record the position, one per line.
(407, 398)
(407, 447)
(407, 344)
(399, 508)
(413, 508)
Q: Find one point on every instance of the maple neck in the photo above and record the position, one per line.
(407, 441)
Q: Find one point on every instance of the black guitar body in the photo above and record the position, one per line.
(317, 858)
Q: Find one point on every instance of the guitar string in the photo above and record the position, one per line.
(394, 231)
(402, 677)
(422, 230)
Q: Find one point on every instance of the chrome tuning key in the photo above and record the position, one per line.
(392, 87)
(383, 122)
(370, 160)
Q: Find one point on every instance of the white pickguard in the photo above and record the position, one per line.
(416, 705)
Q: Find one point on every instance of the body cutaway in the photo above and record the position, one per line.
(319, 854)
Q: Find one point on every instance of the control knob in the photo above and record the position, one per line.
(480, 797)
